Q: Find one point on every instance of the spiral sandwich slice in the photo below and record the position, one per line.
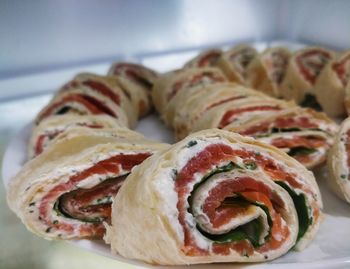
(215, 197)
(339, 162)
(51, 127)
(169, 85)
(66, 192)
(89, 94)
(267, 70)
(235, 61)
(139, 74)
(304, 134)
(304, 68)
(208, 58)
(196, 102)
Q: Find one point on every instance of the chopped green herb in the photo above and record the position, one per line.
(192, 143)
(31, 211)
(48, 230)
(343, 176)
(55, 222)
(250, 165)
(174, 172)
(32, 204)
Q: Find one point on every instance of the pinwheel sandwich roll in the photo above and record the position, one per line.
(51, 127)
(330, 85)
(215, 197)
(304, 67)
(304, 134)
(267, 70)
(338, 162)
(138, 96)
(240, 111)
(144, 76)
(89, 94)
(190, 105)
(66, 192)
(172, 83)
(347, 99)
(111, 88)
(235, 61)
(208, 58)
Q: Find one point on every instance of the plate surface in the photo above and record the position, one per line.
(330, 249)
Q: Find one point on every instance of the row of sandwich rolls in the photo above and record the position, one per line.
(234, 188)
(309, 76)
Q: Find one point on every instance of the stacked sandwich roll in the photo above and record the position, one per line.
(45, 133)
(215, 196)
(95, 102)
(90, 94)
(215, 103)
(304, 69)
(66, 192)
(308, 75)
(80, 153)
(339, 163)
(137, 74)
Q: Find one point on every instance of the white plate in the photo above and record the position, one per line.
(330, 249)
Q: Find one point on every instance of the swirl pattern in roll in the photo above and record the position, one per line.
(139, 74)
(215, 196)
(235, 61)
(266, 71)
(66, 191)
(304, 67)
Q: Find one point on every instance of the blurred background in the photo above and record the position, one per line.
(43, 43)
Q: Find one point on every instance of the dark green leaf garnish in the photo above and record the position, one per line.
(250, 165)
(63, 110)
(301, 207)
(284, 130)
(301, 151)
(311, 101)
